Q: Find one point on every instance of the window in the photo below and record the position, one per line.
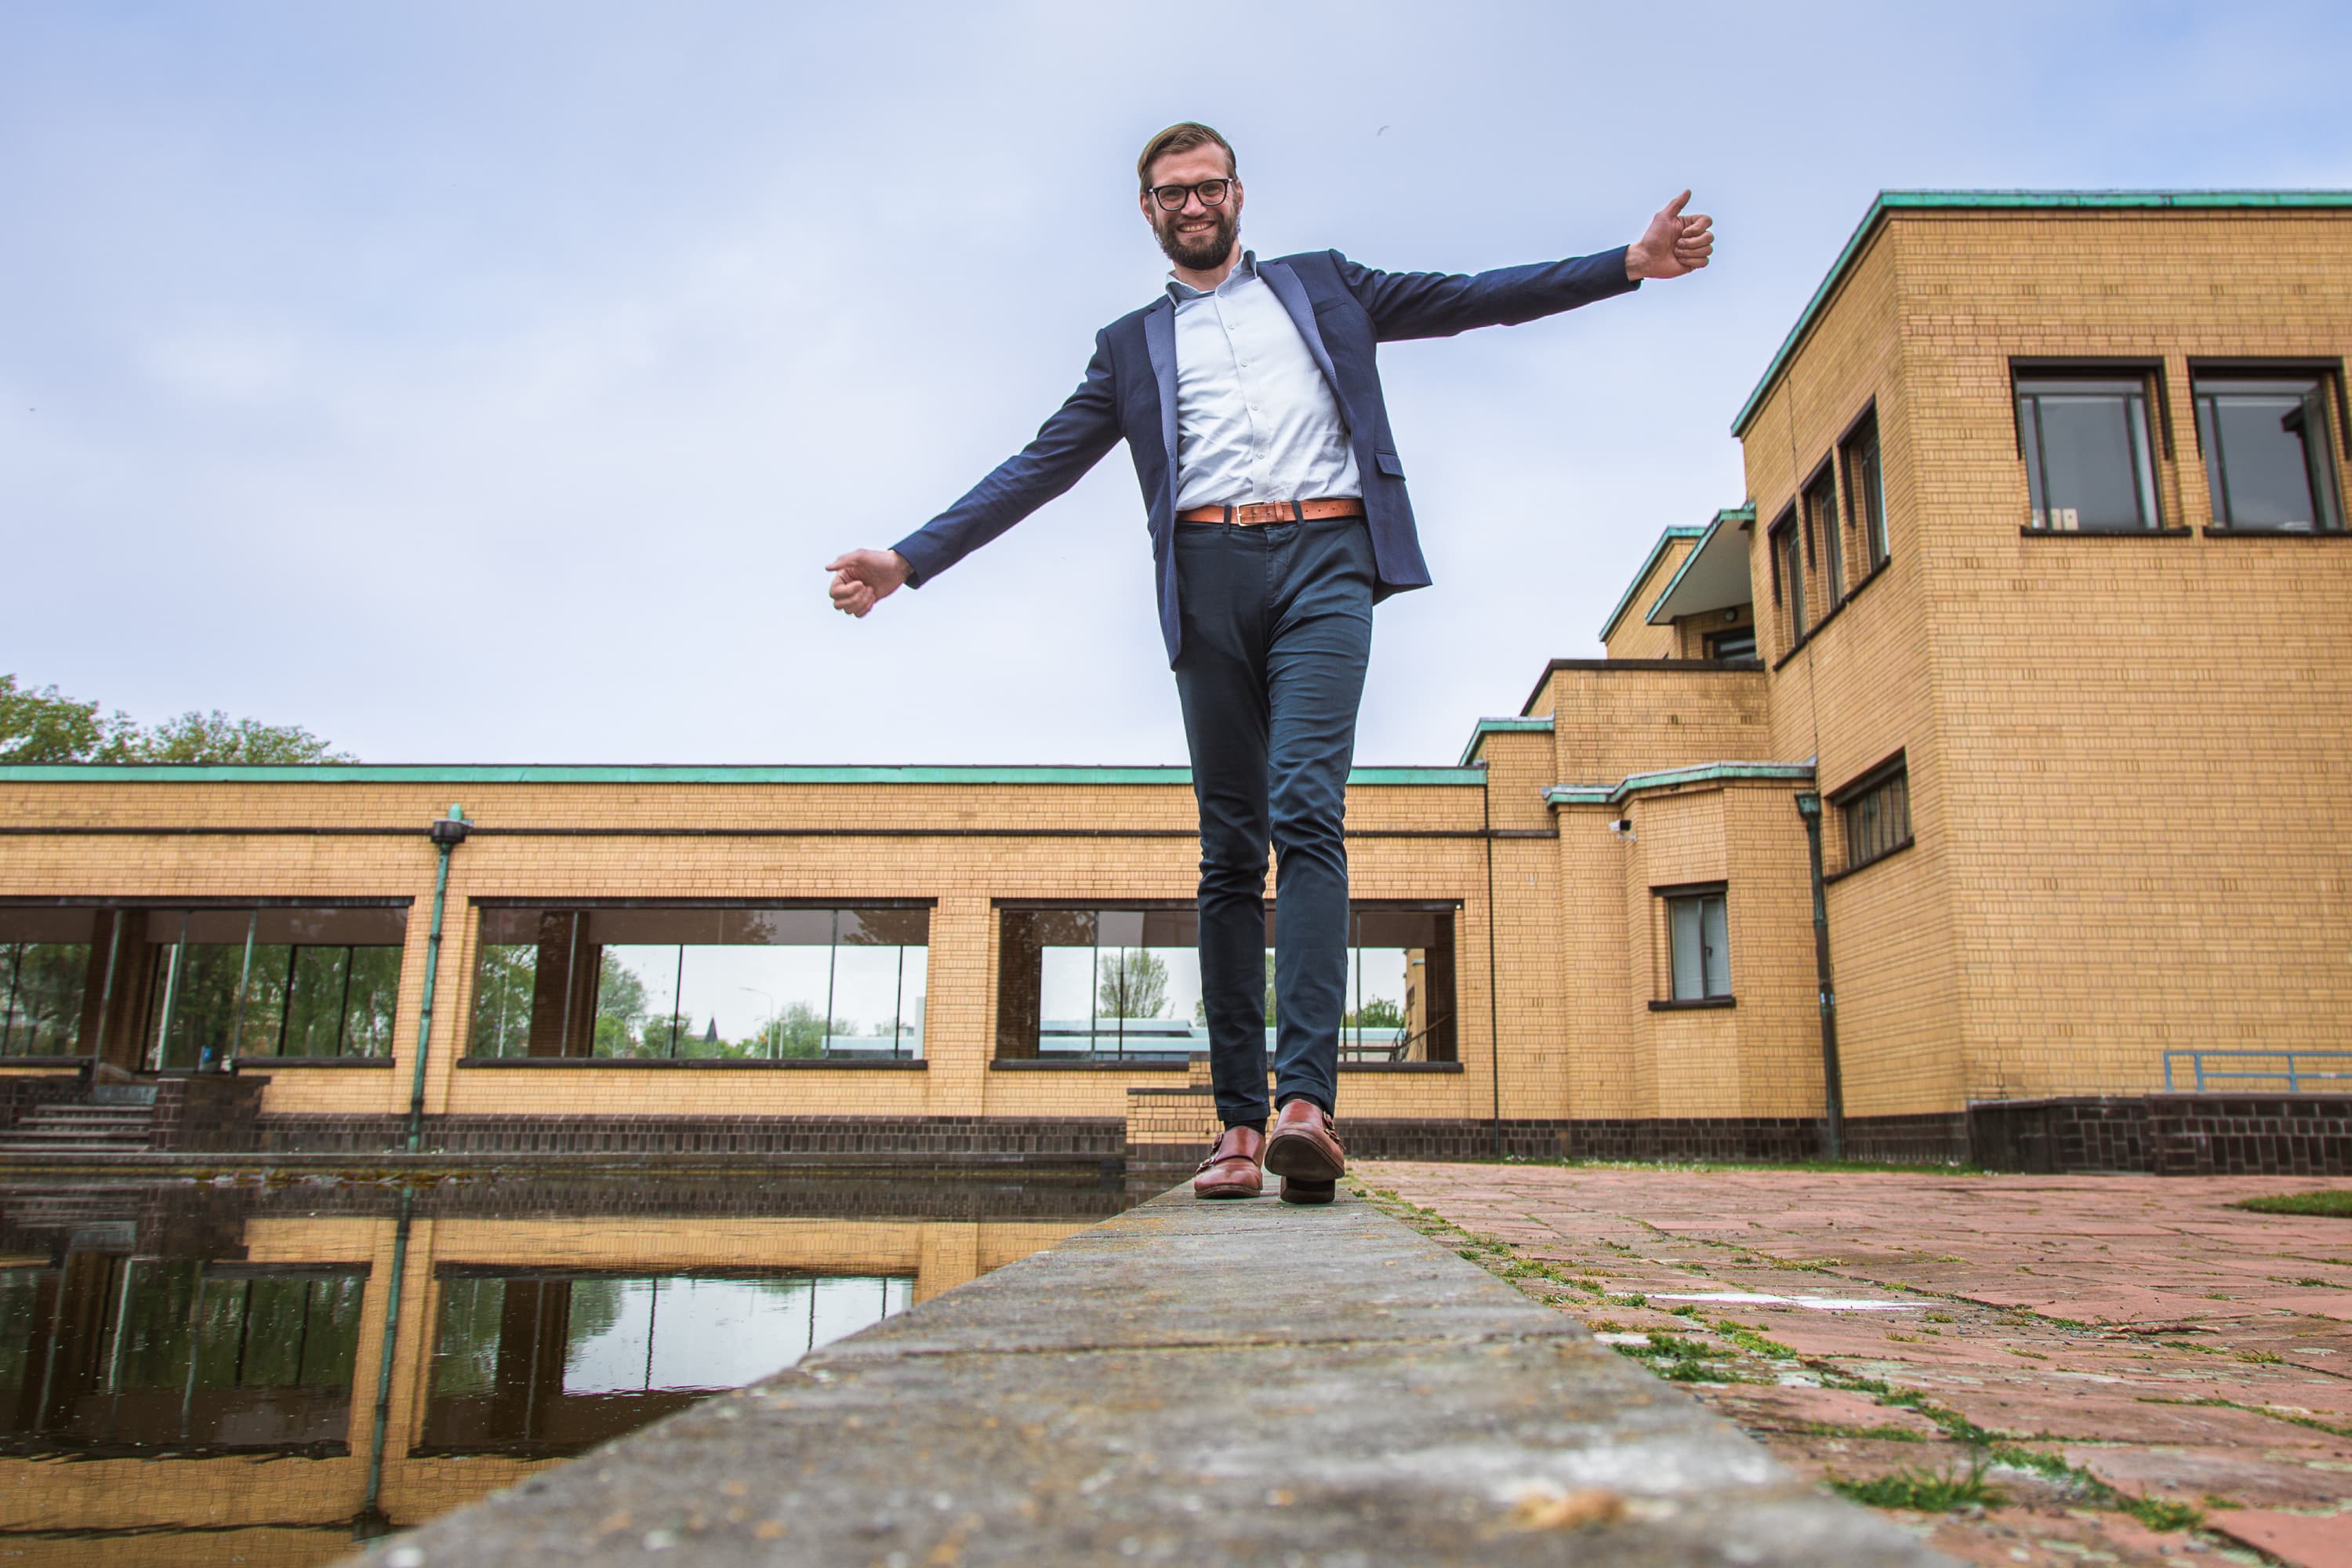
(1114, 984)
(1739, 642)
(2088, 460)
(1877, 814)
(1789, 577)
(1865, 491)
(670, 982)
(2268, 459)
(45, 980)
(1822, 519)
(183, 1352)
(546, 1364)
(1698, 945)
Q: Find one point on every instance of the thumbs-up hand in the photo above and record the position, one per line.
(1673, 244)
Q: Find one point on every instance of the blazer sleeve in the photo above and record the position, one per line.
(1073, 441)
(1440, 304)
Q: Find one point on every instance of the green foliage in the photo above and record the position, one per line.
(1379, 1012)
(2337, 1204)
(42, 725)
(2158, 1514)
(1924, 1491)
(1133, 983)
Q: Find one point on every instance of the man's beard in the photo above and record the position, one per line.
(1200, 253)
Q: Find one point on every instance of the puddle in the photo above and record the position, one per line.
(194, 1373)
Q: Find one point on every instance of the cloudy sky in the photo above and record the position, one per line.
(490, 382)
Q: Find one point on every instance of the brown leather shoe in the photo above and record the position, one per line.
(1231, 1170)
(1304, 1145)
(1295, 1191)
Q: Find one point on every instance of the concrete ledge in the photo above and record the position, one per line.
(1199, 1384)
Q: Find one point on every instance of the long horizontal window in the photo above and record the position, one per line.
(674, 984)
(542, 1364)
(109, 1354)
(181, 988)
(1114, 983)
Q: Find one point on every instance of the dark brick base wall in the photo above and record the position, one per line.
(901, 1138)
(1732, 1138)
(20, 1092)
(2169, 1134)
(1932, 1139)
(208, 1113)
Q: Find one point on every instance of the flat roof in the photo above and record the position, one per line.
(1680, 530)
(2014, 201)
(1714, 576)
(687, 773)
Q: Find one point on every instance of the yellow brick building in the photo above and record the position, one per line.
(2033, 611)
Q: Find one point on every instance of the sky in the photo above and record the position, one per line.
(491, 382)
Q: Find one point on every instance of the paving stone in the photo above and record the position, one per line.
(2304, 1541)
(1194, 1384)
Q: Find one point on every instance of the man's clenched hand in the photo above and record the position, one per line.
(1673, 244)
(863, 578)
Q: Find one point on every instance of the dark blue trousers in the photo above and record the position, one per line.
(1277, 625)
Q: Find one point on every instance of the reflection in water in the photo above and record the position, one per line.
(534, 1364)
(102, 1354)
(216, 1356)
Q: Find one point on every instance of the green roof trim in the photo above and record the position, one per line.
(1732, 514)
(543, 774)
(1679, 531)
(1502, 727)
(2017, 201)
(1711, 772)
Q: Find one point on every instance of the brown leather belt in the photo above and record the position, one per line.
(1258, 513)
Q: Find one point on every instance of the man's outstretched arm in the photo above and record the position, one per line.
(1073, 441)
(1440, 304)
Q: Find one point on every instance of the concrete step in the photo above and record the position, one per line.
(1237, 1382)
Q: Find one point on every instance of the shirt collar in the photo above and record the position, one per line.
(1179, 290)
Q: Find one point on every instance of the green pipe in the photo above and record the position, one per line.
(1809, 806)
(448, 834)
(371, 1524)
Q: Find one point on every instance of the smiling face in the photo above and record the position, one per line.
(1195, 236)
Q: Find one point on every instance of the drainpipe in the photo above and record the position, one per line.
(1494, 979)
(371, 1524)
(448, 834)
(1809, 806)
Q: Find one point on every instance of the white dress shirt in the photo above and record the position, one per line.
(1255, 421)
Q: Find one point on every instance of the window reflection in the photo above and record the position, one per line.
(2268, 459)
(538, 1363)
(106, 1353)
(676, 982)
(188, 988)
(2088, 460)
(1115, 984)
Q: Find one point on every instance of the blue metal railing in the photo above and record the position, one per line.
(2293, 1075)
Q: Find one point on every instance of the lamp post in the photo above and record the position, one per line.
(767, 1030)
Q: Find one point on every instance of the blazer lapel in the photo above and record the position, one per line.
(1293, 294)
(1160, 343)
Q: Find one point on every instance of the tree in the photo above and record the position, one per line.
(1132, 982)
(45, 726)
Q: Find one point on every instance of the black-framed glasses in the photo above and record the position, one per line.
(1211, 192)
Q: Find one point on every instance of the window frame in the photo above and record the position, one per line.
(1850, 793)
(1878, 548)
(2155, 444)
(1668, 895)
(1831, 565)
(2329, 375)
(1787, 597)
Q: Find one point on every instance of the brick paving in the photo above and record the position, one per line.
(2155, 1376)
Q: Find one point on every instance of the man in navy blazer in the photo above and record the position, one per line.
(1249, 397)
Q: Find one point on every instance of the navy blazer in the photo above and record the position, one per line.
(1344, 311)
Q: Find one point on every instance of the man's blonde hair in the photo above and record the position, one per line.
(1182, 137)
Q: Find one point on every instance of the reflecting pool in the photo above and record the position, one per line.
(212, 1358)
